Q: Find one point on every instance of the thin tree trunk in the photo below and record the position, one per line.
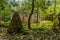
(31, 14)
(54, 18)
(37, 15)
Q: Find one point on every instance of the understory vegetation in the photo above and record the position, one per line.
(30, 20)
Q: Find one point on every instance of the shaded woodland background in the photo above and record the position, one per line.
(30, 19)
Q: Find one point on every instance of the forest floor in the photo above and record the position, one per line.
(31, 35)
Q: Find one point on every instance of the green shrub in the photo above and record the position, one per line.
(44, 25)
(17, 38)
(25, 26)
(7, 23)
(34, 25)
(2, 23)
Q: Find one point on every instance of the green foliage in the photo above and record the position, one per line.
(43, 5)
(3, 4)
(6, 14)
(34, 26)
(16, 37)
(46, 25)
(24, 6)
(25, 26)
(2, 23)
(7, 23)
(43, 26)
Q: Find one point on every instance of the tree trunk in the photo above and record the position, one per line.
(55, 19)
(31, 14)
(37, 15)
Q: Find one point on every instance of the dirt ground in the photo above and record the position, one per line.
(31, 35)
